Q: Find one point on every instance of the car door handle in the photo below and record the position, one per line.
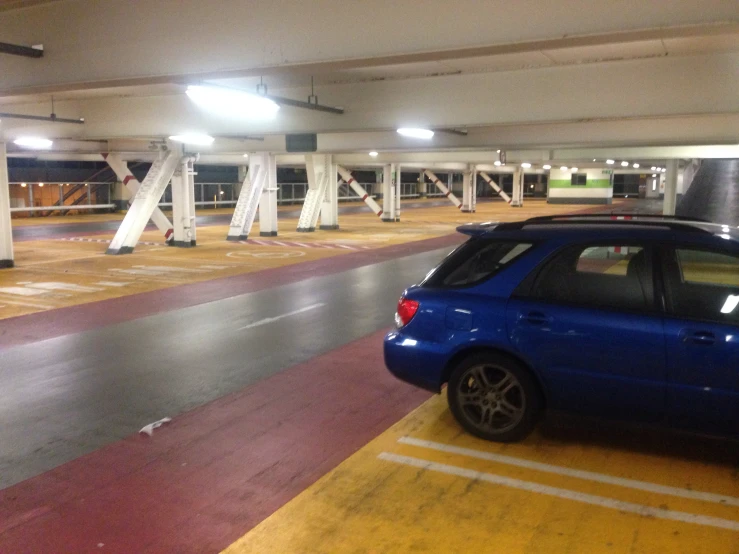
(704, 338)
(536, 318)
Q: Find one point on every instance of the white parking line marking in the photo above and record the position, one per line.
(276, 318)
(577, 473)
(112, 284)
(602, 501)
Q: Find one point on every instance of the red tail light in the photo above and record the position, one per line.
(406, 310)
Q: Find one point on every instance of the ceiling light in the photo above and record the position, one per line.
(653, 168)
(574, 169)
(497, 151)
(246, 155)
(563, 168)
(624, 164)
(34, 142)
(232, 103)
(593, 159)
(635, 166)
(220, 192)
(497, 163)
(526, 165)
(24, 185)
(654, 174)
(416, 133)
(663, 170)
(547, 166)
(193, 138)
(373, 154)
(41, 184)
(610, 162)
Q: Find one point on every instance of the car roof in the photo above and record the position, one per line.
(633, 225)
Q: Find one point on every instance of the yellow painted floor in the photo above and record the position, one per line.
(58, 273)
(589, 490)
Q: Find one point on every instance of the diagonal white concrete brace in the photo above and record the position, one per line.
(359, 189)
(317, 168)
(144, 203)
(443, 188)
(251, 192)
(124, 175)
(496, 188)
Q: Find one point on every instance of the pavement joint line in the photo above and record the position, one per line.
(577, 473)
(566, 494)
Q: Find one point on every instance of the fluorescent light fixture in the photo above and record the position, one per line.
(232, 103)
(593, 159)
(563, 168)
(497, 151)
(526, 165)
(373, 154)
(246, 155)
(653, 168)
(34, 142)
(624, 164)
(24, 185)
(411, 132)
(497, 163)
(654, 174)
(635, 166)
(732, 301)
(574, 169)
(193, 138)
(610, 162)
(547, 166)
(663, 170)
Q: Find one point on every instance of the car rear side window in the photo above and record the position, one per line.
(603, 276)
(475, 261)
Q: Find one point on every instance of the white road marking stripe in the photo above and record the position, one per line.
(278, 242)
(602, 501)
(578, 473)
(345, 246)
(27, 304)
(276, 318)
(303, 245)
(111, 284)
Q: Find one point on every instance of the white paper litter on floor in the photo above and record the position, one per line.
(149, 429)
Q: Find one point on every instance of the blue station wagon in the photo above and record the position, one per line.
(633, 318)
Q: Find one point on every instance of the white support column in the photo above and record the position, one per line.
(317, 167)
(468, 198)
(144, 203)
(494, 185)
(359, 189)
(6, 230)
(124, 175)
(473, 184)
(398, 189)
(191, 192)
(330, 204)
(422, 185)
(388, 193)
(183, 205)
(251, 191)
(517, 188)
(670, 200)
(268, 201)
(448, 193)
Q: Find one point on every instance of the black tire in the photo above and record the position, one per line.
(494, 397)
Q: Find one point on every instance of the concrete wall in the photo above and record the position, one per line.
(597, 190)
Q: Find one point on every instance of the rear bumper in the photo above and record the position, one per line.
(416, 362)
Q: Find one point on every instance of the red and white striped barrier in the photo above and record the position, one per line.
(359, 189)
(495, 186)
(442, 187)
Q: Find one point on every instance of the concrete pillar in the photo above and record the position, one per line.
(469, 179)
(330, 204)
(268, 201)
(388, 193)
(670, 200)
(6, 231)
(398, 190)
(422, 185)
(182, 212)
(517, 198)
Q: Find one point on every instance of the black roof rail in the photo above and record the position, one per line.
(682, 225)
(615, 216)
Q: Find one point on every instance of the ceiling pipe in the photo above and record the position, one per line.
(17, 50)
(53, 118)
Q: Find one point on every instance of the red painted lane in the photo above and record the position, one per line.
(213, 473)
(74, 319)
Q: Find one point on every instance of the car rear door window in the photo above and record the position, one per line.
(601, 276)
(475, 261)
(703, 284)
